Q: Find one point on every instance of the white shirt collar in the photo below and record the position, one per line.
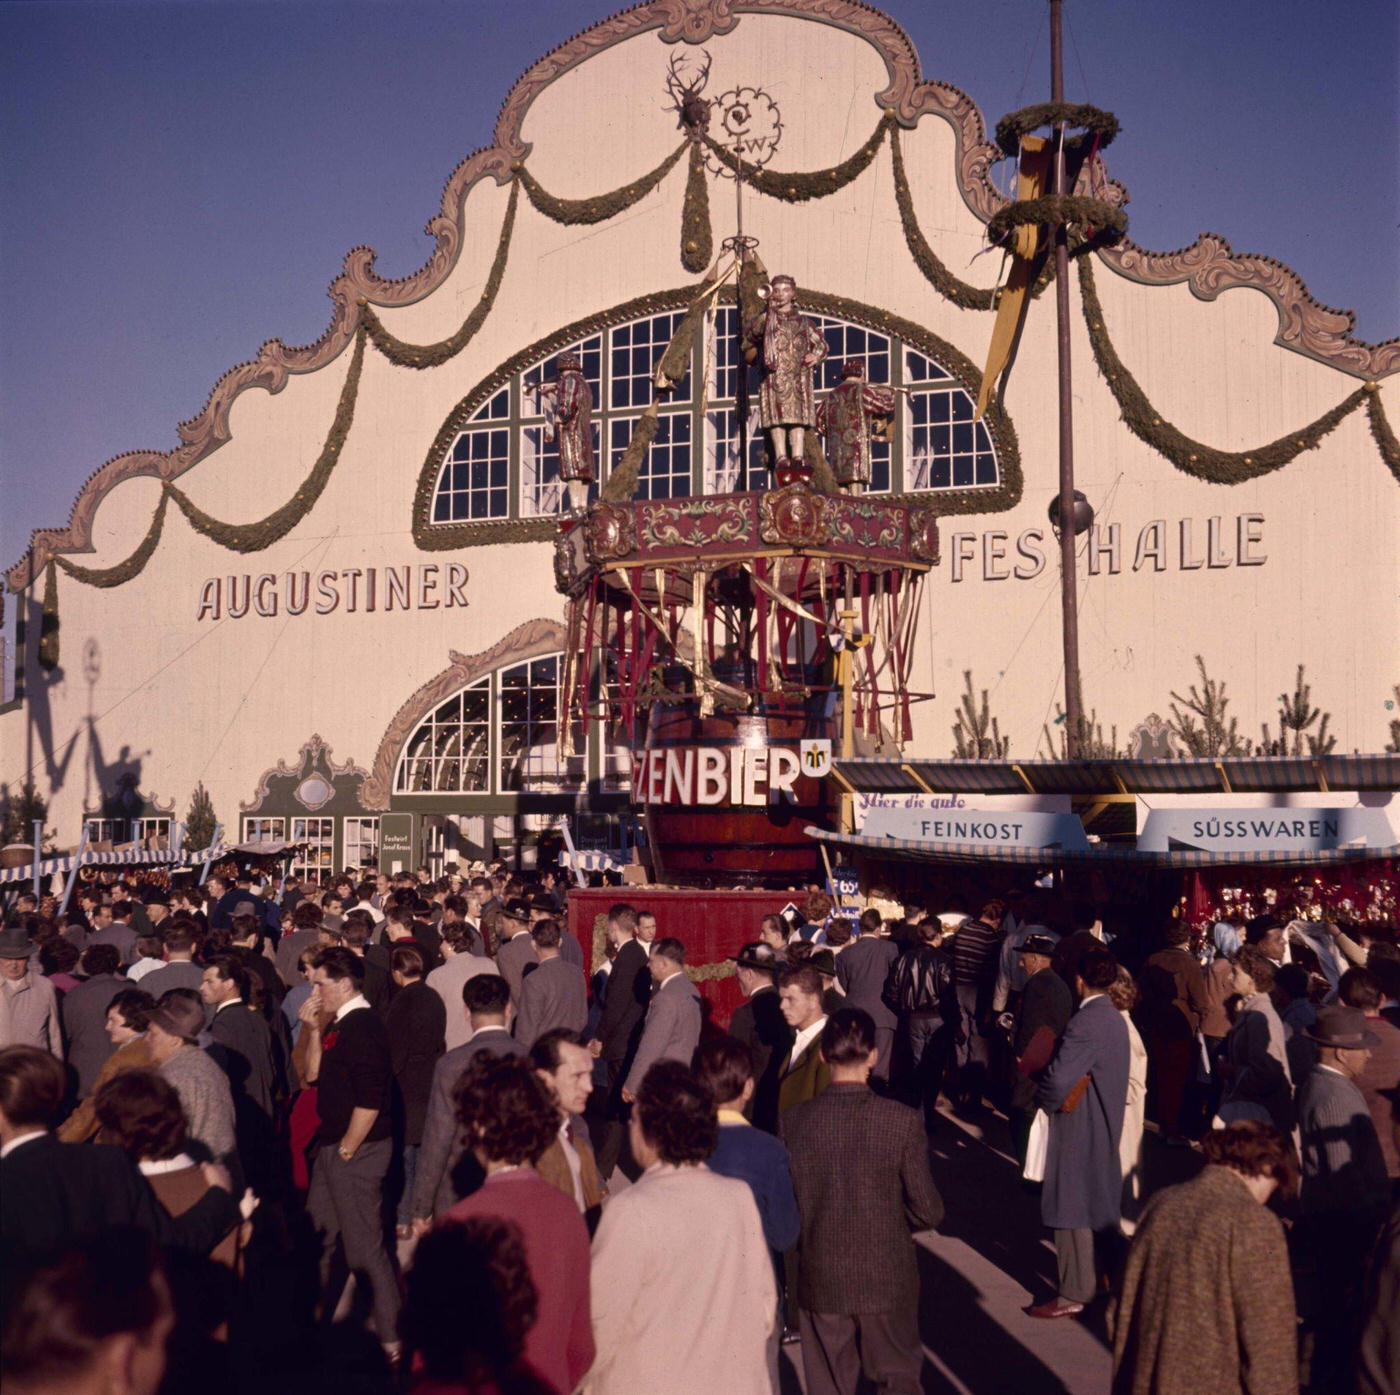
(8, 1148)
(228, 1002)
(176, 1164)
(806, 1037)
(358, 1001)
(1089, 998)
(676, 974)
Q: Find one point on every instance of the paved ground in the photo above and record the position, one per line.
(990, 1260)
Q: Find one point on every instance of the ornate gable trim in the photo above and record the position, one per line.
(1208, 265)
(313, 782)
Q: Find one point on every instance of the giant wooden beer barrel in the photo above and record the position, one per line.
(726, 797)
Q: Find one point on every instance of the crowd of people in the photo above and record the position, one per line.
(395, 1132)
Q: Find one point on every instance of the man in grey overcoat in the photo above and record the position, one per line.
(1085, 1093)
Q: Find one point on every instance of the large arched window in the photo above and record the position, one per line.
(502, 464)
(500, 735)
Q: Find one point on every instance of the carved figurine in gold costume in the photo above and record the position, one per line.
(845, 417)
(571, 425)
(791, 348)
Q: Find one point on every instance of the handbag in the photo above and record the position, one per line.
(1072, 1100)
(1037, 1147)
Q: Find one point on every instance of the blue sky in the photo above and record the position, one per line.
(180, 179)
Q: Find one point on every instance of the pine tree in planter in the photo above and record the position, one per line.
(200, 822)
(975, 732)
(1216, 733)
(1295, 715)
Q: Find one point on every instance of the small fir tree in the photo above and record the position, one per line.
(976, 734)
(21, 807)
(1394, 747)
(1205, 727)
(200, 822)
(1092, 745)
(1296, 716)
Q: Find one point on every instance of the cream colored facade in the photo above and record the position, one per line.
(1300, 565)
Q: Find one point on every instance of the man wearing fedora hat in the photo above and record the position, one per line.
(28, 1003)
(759, 1023)
(1042, 1015)
(517, 947)
(1345, 1190)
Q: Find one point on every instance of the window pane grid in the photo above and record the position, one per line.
(665, 472)
(541, 489)
(264, 830)
(947, 449)
(448, 751)
(360, 839)
(317, 858)
(635, 350)
(528, 707)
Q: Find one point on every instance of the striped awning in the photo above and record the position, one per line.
(1098, 854)
(116, 857)
(1229, 775)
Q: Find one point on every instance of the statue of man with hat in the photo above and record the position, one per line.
(571, 425)
(791, 348)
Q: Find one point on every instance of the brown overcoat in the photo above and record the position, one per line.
(1207, 1301)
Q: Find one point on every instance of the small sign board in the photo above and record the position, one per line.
(989, 828)
(845, 885)
(1278, 829)
(398, 843)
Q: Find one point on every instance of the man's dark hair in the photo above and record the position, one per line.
(1176, 931)
(487, 994)
(134, 1006)
(101, 959)
(1359, 988)
(456, 904)
(848, 1037)
(1258, 927)
(400, 915)
(1098, 968)
(179, 936)
(149, 946)
(407, 960)
(545, 1053)
(1253, 1149)
(506, 1109)
(32, 1086)
(624, 916)
(57, 956)
(840, 932)
(96, 1289)
(459, 935)
(141, 1113)
(339, 964)
(676, 1114)
(722, 1065)
(122, 910)
(306, 915)
(231, 970)
(546, 934)
(805, 977)
(669, 948)
(469, 1302)
(870, 921)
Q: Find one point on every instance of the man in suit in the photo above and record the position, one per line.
(1344, 1191)
(544, 907)
(569, 1163)
(53, 1194)
(460, 963)
(1042, 1015)
(620, 1026)
(486, 1000)
(803, 1075)
(672, 1027)
(861, 971)
(758, 1022)
(1085, 1093)
(552, 993)
(305, 934)
(179, 969)
(84, 1013)
(28, 1003)
(112, 926)
(517, 948)
(1361, 989)
(861, 1174)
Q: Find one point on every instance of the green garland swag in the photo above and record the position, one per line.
(697, 240)
(602, 206)
(1108, 223)
(1205, 462)
(48, 621)
(253, 537)
(1091, 120)
(1381, 433)
(133, 566)
(799, 188)
(961, 293)
(431, 355)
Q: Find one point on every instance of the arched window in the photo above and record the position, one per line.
(502, 463)
(500, 735)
